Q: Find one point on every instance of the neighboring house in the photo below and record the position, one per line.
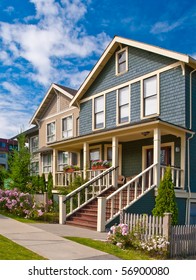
(136, 110)
(54, 120)
(6, 147)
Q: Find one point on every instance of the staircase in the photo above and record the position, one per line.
(87, 216)
(85, 213)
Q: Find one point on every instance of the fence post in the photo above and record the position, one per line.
(101, 214)
(122, 213)
(62, 210)
(46, 201)
(167, 225)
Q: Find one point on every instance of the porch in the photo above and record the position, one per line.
(132, 149)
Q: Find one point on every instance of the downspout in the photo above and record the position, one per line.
(188, 145)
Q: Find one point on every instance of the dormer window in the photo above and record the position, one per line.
(122, 61)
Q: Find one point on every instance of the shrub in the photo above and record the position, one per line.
(166, 200)
(20, 204)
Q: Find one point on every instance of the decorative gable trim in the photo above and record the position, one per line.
(109, 51)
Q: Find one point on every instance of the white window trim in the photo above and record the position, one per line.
(116, 58)
(47, 132)
(188, 206)
(142, 97)
(31, 147)
(117, 107)
(169, 144)
(106, 146)
(64, 117)
(93, 112)
(51, 165)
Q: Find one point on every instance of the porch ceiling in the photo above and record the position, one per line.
(124, 134)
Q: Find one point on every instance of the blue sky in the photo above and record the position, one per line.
(46, 41)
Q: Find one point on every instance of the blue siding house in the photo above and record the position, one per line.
(137, 111)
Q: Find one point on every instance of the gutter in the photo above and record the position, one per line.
(188, 147)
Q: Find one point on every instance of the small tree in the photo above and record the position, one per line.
(19, 162)
(166, 201)
(50, 185)
(43, 183)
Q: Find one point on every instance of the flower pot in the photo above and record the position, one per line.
(98, 167)
(69, 170)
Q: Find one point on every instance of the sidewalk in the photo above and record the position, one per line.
(47, 240)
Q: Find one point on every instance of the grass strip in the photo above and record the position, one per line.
(13, 251)
(106, 247)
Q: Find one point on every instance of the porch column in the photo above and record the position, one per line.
(114, 160)
(54, 165)
(182, 160)
(85, 158)
(157, 148)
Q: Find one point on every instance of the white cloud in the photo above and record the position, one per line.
(57, 34)
(164, 26)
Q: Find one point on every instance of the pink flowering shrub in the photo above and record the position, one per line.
(19, 203)
(121, 236)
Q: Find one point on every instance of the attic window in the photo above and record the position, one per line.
(122, 61)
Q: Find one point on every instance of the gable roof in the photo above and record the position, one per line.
(68, 92)
(109, 51)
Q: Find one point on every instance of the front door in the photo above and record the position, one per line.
(165, 157)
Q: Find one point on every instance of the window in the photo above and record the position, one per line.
(99, 112)
(94, 155)
(193, 213)
(47, 163)
(62, 160)
(51, 132)
(67, 127)
(2, 145)
(2, 155)
(35, 168)
(121, 61)
(123, 105)
(34, 142)
(150, 96)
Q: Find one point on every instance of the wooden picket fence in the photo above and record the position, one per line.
(149, 225)
(182, 238)
(183, 241)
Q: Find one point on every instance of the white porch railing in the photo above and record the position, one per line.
(88, 191)
(64, 179)
(129, 193)
(176, 175)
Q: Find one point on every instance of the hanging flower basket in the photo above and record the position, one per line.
(69, 170)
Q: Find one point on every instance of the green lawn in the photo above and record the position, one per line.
(12, 251)
(106, 247)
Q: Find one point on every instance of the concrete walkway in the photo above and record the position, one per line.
(47, 240)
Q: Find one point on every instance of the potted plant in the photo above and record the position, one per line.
(69, 168)
(100, 164)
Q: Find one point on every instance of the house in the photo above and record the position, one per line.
(6, 147)
(136, 110)
(54, 120)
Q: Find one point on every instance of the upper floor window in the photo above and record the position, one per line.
(2, 145)
(122, 61)
(150, 99)
(67, 127)
(123, 105)
(34, 144)
(99, 112)
(51, 132)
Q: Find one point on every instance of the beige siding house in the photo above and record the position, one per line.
(56, 120)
